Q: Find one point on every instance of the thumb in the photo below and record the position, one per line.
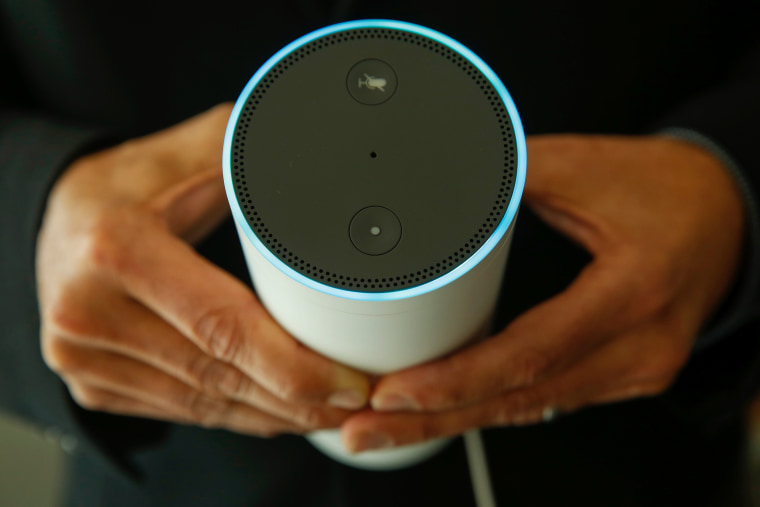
(556, 191)
(195, 206)
(192, 145)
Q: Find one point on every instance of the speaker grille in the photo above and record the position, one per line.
(415, 275)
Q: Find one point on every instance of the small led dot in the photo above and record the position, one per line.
(375, 230)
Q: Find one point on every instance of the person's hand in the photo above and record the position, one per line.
(663, 222)
(136, 323)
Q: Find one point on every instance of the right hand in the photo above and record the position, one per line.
(135, 322)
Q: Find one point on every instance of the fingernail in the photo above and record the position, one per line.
(350, 399)
(394, 402)
(371, 441)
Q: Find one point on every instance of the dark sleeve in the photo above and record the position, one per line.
(728, 113)
(724, 373)
(34, 148)
(726, 120)
(741, 304)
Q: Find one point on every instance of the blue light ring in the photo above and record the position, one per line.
(436, 283)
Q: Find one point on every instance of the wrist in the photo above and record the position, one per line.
(740, 304)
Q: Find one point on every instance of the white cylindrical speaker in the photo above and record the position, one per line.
(374, 169)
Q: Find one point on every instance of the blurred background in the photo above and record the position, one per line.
(31, 462)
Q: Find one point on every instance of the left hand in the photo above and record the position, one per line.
(663, 221)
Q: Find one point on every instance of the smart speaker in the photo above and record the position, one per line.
(374, 169)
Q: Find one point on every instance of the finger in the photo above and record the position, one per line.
(640, 363)
(145, 167)
(553, 163)
(557, 160)
(149, 341)
(132, 379)
(200, 140)
(100, 400)
(196, 206)
(222, 317)
(97, 399)
(553, 192)
(126, 328)
(548, 338)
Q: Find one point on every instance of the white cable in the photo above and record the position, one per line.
(479, 473)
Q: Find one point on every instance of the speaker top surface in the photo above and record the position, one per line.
(374, 157)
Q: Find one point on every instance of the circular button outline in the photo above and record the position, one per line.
(388, 223)
(353, 89)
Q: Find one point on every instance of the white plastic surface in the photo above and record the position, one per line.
(380, 337)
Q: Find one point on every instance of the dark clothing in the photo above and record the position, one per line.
(77, 75)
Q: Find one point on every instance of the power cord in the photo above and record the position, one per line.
(480, 477)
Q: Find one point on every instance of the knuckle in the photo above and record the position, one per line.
(65, 316)
(500, 415)
(512, 410)
(112, 240)
(88, 397)
(527, 367)
(293, 388)
(219, 330)
(213, 376)
(312, 418)
(103, 247)
(428, 430)
(205, 411)
(453, 396)
(232, 383)
(61, 357)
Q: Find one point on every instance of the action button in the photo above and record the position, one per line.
(371, 82)
(375, 230)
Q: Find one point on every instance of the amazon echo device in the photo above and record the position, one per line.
(374, 169)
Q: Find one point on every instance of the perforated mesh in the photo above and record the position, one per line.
(300, 261)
